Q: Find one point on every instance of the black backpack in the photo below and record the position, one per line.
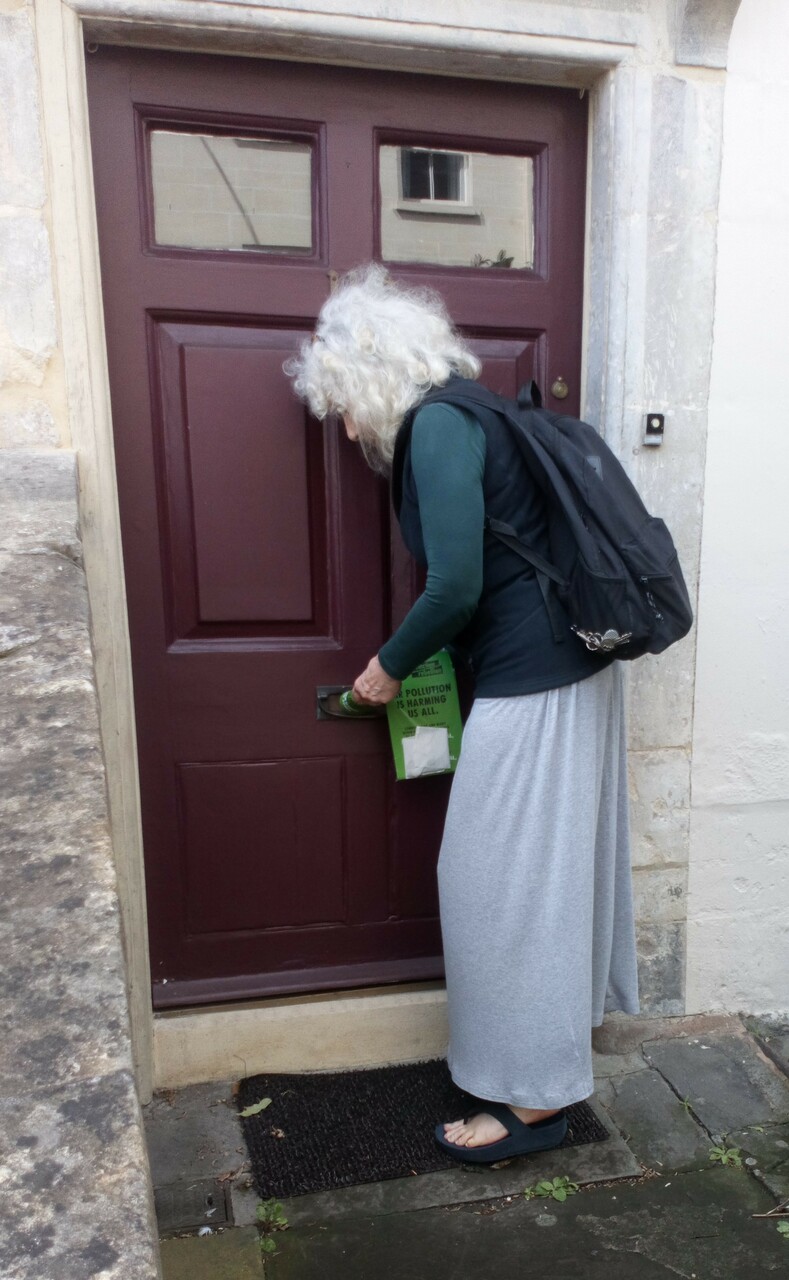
(615, 567)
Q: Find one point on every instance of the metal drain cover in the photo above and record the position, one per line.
(183, 1205)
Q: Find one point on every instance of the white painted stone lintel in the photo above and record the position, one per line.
(356, 39)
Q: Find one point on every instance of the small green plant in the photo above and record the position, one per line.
(270, 1214)
(502, 259)
(687, 1104)
(555, 1188)
(783, 1229)
(726, 1155)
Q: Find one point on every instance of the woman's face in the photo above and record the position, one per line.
(350, 427)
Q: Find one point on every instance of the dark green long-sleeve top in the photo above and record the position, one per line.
(480, 598)
(448, 463)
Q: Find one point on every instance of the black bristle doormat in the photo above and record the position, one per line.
(324, 1130)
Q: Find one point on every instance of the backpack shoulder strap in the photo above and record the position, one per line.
(467, 394)
(544, 571)
(506, 534)
(530, 396)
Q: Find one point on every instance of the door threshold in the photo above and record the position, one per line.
(327, 1031)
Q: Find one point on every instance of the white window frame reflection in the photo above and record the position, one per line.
(432, 204)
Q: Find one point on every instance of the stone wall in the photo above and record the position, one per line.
(73, 1164)
(76, 1199)
(656, 132)
(738, 923)
(32, 408)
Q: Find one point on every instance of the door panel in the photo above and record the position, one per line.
(267, 542)
(295, 805)
(260, 555)
(238, 498)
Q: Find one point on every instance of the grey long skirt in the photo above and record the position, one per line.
(535, 891)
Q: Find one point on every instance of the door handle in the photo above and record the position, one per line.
(333, 703)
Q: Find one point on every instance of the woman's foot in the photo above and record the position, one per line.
(481, 1130)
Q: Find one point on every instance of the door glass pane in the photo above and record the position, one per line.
(456, 208)
(214, 192)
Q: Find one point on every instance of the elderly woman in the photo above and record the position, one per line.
(534, 870)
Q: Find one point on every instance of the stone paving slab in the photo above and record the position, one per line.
(605, 1065)
(194, 1137)
(595, 1162)
(658, 1129)
(727, 1080)
(196, 1148)
(693, 1225)
(622, 1033)
(193, 1133)
(76, 1192)
(777, 1183)
(230, 1255)
(769, 1146)
(773, 1036)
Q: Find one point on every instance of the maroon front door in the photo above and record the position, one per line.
(281, 855)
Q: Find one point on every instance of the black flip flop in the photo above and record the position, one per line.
(522, 1139)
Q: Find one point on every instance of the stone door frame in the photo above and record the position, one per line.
(610, 55)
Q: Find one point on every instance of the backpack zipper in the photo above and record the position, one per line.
(651, 599)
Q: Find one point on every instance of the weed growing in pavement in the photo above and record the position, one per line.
(555, 1188)
(726, 1155)
(271, 1216)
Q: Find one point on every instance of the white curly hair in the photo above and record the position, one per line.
(377, 349)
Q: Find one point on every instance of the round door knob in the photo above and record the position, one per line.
(559, 388)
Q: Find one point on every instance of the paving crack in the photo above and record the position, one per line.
(683, 1102)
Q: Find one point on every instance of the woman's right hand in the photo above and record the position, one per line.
(374, 687)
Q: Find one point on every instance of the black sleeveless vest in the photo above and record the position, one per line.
(509, 643)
